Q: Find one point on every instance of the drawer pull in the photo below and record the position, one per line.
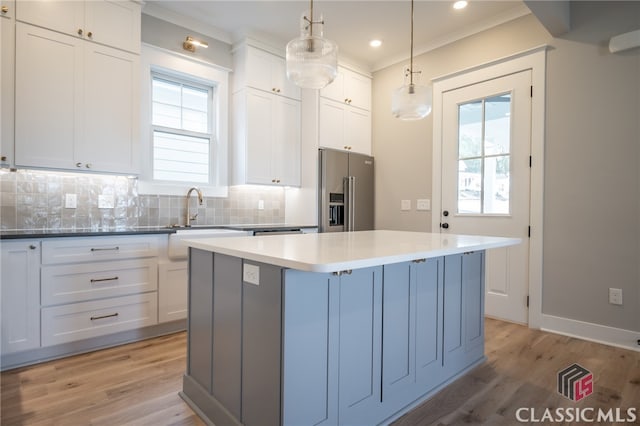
(104, 316)
(98, 280)
(105, 249)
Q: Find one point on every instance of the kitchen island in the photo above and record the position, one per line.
(326, 329)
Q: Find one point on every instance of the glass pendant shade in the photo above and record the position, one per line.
(411, 102)
(312, 61)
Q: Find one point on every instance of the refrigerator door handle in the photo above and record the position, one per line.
(351, 203)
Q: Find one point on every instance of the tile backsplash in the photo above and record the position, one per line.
(33, 199)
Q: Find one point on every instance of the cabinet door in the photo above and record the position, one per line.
(335, 89)
(398, 330)
(280, 81)
(20, 295)
(357, 130)
(429, 276)
(58, 15)
(8, 9)
(111, 105)
(360, 324)
(331, 124)
(113, 23)
(258, 126)
(7, 86)
(411, 331)
(357, 90)
(173, 278)
(48, 97)
(267, 72)
(463, 311)
(286, 148)
(310, 349)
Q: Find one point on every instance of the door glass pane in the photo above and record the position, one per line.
(484, 147)
(497, 134)
(469, 186)
(496, 185)
(470, 126)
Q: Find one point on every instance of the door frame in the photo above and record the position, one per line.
(534, 60)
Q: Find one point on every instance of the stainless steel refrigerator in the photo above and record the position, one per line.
(345, 191)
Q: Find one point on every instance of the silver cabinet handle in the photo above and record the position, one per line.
(104, 316)
(78, 164)
(105, 249)
(99, 280)
(32, 247)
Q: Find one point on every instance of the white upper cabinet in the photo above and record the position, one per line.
(112, 23)
(350, 88)
(266, 139)
(264, 71)
(7, 81)
(344, 113)
(76, 103)
(266, 120)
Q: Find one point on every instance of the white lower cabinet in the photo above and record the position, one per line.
(20, 295)
(93, 286)
(75, 321)
(173, 279)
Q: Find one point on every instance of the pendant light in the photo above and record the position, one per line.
(411, 101)
(312, 61)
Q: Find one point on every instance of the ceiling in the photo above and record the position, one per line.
(351, 24)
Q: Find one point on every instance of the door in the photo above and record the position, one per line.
(486, 143)
(361, 202)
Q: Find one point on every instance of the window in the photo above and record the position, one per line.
(484, 143)
(184, 124)
(182, 136)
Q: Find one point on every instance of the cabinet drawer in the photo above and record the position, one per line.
(76, 321)
(88, 281)
(87, 249)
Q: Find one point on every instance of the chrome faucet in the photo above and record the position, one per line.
(200, 198)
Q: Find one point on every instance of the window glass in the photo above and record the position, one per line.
(182, 137)
(484, 145)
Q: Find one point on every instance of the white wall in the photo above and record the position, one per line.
(592, 160)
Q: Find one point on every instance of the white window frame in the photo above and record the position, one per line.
(155, 60)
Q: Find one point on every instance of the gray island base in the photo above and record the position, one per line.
(271, 345)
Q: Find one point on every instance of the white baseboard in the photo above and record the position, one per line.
(611, 336)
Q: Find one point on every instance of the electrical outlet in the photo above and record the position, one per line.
(260, 204)
(105, 201)
(405, 205)
(251, 274)
(70, 201)
(615, 296)
(423, 204)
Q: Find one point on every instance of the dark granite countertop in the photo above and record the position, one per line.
(86, 232)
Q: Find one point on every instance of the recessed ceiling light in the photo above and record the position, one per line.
(460, 4)
(375, 43)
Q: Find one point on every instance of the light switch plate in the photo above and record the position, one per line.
(105, 201)
(423, 204)
(70, 201)
(405, 205)
(251, 274)
(260, 204)
(615, 296)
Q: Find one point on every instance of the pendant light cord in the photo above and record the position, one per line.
(411, 57)
(311, 20)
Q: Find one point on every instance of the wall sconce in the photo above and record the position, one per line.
(190, 44)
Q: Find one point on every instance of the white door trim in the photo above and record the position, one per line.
(535, 60)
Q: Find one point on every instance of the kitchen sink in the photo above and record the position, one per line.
(177, 250)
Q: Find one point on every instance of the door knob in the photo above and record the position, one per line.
(444, 225)
(445, 213)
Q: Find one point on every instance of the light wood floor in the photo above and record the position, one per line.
(138, 384)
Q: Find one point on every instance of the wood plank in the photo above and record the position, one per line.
(138, 384)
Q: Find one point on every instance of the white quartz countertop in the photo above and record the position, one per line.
(339, 251)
